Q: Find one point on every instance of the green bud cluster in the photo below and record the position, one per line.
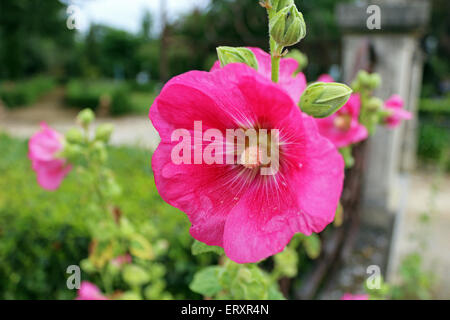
(366, 81)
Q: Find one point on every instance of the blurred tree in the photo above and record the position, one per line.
(34, 37)
(437, 47)
(242, 22)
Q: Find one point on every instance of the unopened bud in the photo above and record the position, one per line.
(104, 132)
(279, 5)
(288, 27)
(229, 55)
(74, 135)
(374, 104)
(322, 99)
(85, 117)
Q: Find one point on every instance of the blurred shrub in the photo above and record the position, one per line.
(434, 130)
(20, 93)
(87, 94)
(42, 233)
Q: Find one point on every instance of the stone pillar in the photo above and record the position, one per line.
(393, 52)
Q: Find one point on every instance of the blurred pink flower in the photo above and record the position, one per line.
(343, 127)
(395, 106)
(294, 85)
(325, 78)
(89, 291)
(121, 260)
(43, 149)
(349, 296)
(252, 216)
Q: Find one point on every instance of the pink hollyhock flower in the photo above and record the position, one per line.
(349, 296)
(121, 260)
(89, 291)
(43, 149)
(394, 105)
(233, 206)
(343, 127)
(294, 85)
(325, 78)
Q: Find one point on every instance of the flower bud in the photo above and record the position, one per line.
(72, 152)
(374, 81)
(74, 135)
(279, 5)
(288, 27)
(229, 55)
(104, 132)
(85, 117)
(374, 104)
(321, 99)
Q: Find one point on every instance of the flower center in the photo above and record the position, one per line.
(251, 157)
(343, 122)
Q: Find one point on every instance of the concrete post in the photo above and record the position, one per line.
(394, 52)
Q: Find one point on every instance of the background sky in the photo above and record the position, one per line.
(127, 14)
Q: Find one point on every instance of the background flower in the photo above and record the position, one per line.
(343, 127)
(349, 296)
(43, 149)
(395, 106)
(89, 291)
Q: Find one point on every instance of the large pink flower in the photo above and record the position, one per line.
(395, 106)
(43, 149)
(294, 85)
(343, 127)
(233, 206)
(349, 296)
(89, 291)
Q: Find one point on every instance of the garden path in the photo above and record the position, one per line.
(135, 130)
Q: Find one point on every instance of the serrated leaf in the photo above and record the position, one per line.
(206, 281)
(200, 247)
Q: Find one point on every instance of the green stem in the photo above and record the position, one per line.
(276, 58)
(275, 51)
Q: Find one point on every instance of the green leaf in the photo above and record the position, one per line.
(135, 275)
(200, 247)
(206, 281)
(312, 246)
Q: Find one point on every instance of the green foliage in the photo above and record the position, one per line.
(236, 282)
(42, 233)
(415, 282)
(117, 95)
(199, 248)
(33, 38)
(20, 93)
(206, 282)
